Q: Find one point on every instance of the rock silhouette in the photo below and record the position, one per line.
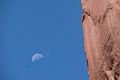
(101, 27)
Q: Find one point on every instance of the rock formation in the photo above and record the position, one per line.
(101, 27)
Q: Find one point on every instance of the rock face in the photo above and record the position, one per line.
(101, 27)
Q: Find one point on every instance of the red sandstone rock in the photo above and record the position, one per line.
(101, 26)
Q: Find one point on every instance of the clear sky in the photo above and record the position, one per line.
(50, 27)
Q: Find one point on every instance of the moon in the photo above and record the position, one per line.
(37, 57)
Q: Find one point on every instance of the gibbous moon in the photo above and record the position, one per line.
(36, 57)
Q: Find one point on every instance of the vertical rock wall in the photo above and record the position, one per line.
(101, 27)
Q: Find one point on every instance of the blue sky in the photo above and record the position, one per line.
(50, 27)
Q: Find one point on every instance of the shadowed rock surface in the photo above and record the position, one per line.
(101, 26)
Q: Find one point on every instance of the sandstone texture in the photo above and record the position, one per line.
(101, 27)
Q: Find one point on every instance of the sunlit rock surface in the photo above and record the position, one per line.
(101, 27)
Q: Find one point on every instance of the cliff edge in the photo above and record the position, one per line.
(101, 27)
